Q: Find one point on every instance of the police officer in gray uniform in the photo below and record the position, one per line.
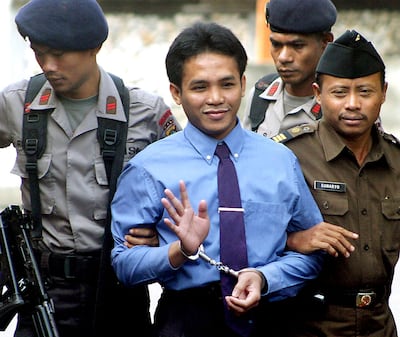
(66, 36)
(300, 31)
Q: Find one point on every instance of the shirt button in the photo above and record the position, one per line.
(366, 247)
(364, 212)
(208, 157)
(236, 155)
(325, 205)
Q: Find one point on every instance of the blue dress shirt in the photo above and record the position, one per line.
(275, 198)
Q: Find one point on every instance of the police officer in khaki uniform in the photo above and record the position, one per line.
(66, 37)
(300, 31)
(353, 171)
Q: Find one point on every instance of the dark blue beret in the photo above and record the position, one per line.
(300, 16)
(63, 24)
(350, 56)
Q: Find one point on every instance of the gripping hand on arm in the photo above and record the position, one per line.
(141, 236)
(335, 240)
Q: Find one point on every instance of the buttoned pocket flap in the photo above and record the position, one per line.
(391, 209)
(332, 203)
(20, 165)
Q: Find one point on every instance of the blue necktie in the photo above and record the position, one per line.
(233, 249)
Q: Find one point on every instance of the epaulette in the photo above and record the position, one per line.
(390, 138)
(293, 132)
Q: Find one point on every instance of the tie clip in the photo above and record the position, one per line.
(230, 209)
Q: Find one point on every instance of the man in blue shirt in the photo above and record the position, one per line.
(205, 66)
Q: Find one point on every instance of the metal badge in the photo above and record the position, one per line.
(364, 299)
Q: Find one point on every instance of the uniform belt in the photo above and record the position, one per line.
(211, 290)
(82, 268)
(361, 298)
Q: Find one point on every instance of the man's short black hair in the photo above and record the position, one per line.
(200, 38)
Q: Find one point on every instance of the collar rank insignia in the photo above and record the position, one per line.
(45, 97)
(316, 111)
(329, 186)
(111, 105)
(272, 90)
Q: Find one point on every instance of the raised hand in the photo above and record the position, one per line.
(190, 228)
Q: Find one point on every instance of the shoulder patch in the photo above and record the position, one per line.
(293, 132)
(167, 122)
(391, 139)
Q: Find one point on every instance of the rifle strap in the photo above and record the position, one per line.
(259, 105)
(113, 160)
(34, 143)
(111, 135)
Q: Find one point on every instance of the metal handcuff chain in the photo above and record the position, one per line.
(219, 265)
(222, 267)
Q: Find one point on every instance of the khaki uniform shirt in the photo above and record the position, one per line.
(72, 177)
(276, 120)
(365, 200)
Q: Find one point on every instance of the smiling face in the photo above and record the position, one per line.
(211, 92)
(351, 106)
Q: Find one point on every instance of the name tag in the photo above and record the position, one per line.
(329, 186)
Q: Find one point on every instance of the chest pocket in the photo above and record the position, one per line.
(43, 165)
(391, 228)
(100, 171)
(267, 220)
(331, 203)
(391, 209)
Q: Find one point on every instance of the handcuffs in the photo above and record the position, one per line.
(219, 265)
(201, 254)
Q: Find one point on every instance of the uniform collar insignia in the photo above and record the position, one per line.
(111, 105)
(45, 96)
(316, 111)
(273, 88)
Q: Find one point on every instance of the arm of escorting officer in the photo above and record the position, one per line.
(333, 239)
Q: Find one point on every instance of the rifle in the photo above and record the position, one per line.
(20, 275)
